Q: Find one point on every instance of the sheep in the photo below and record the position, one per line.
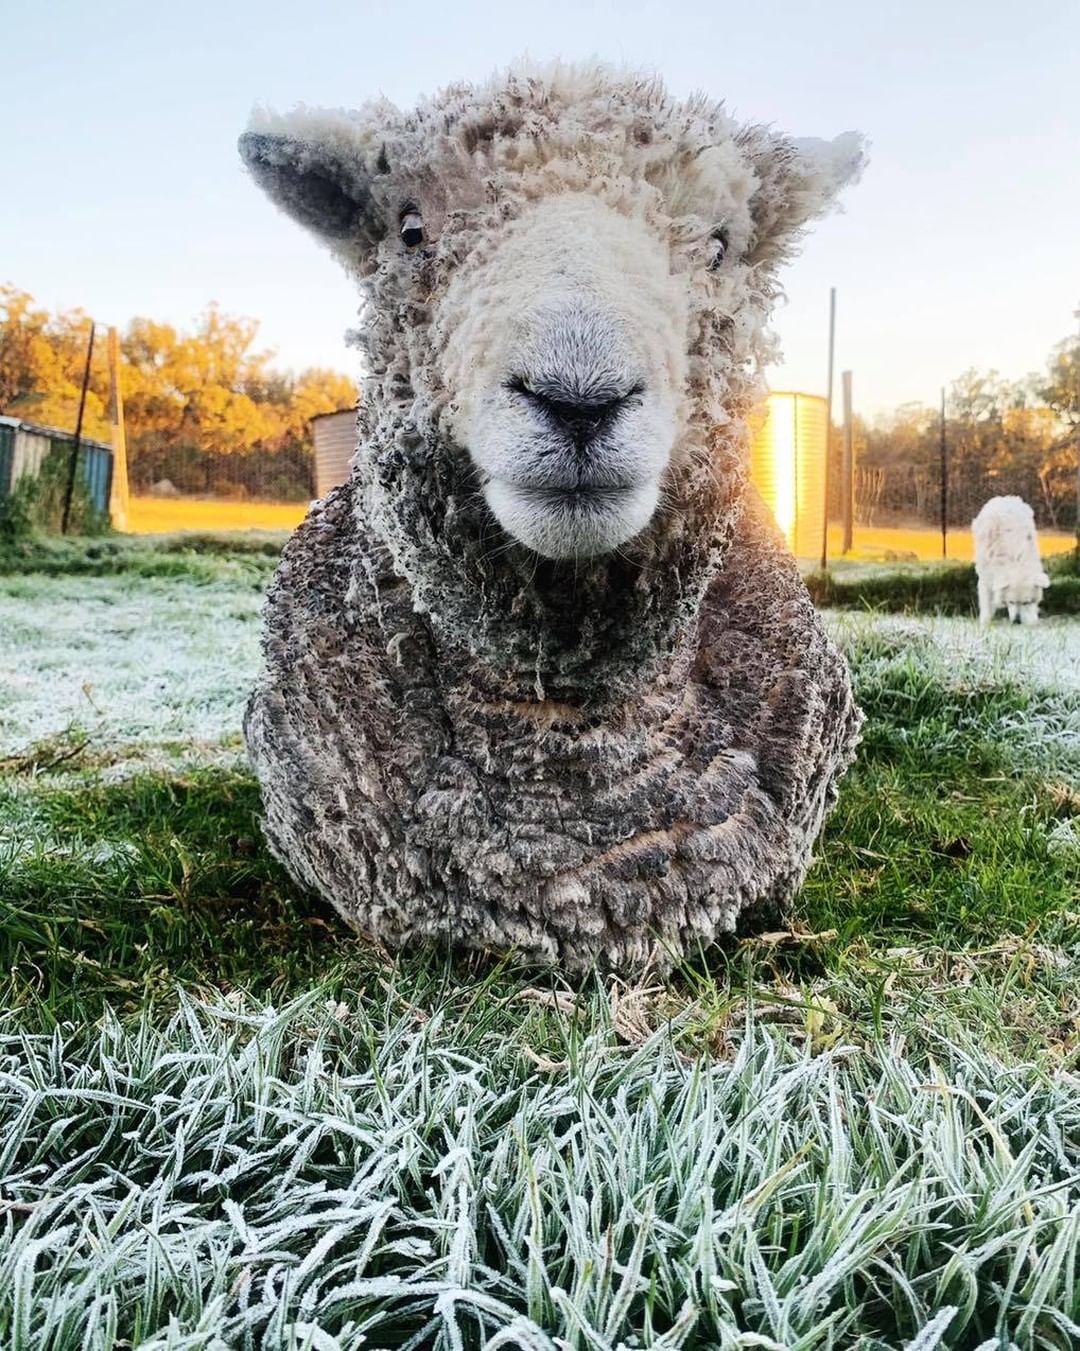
(543, 676)
(1007, 560)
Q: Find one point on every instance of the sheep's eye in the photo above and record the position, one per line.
(412, 229)
(719, 247)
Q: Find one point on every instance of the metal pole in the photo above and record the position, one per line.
(118, 488)
(828, 430)
(848, 471)
(944, 484)
(65, 519)
(1076, 315)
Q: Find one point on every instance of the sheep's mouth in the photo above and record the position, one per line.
(585, 497)
(572, 521)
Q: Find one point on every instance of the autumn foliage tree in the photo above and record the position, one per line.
(1002, 437)
(204, 409)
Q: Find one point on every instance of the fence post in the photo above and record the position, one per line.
(944, 483)
(1076, 315)
(828, 432)
(65, 519)
(118, 490)
(847, 474)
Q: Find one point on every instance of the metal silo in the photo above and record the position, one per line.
(335, 442)
(787, 465)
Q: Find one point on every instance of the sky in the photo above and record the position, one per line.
(122, 192)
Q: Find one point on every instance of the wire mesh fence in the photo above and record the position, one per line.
(908, 493)
(278, 475)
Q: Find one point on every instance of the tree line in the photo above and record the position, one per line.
(205, 409)
(1001, 436)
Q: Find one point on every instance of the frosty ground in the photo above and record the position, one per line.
(226, 1122)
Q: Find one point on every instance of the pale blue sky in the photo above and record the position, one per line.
(122, 192)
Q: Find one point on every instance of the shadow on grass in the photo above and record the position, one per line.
(192, 556)
(118, 891)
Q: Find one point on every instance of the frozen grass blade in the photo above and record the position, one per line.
(282, 1178)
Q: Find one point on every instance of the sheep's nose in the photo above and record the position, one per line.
(581, 419)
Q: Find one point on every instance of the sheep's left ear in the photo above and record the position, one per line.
(798, 180)
(316, 167)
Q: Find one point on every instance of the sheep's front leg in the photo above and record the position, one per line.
(986, 601)
(1029, 614)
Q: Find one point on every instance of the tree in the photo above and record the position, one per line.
(41, 365)
(1060, 391)
(1060, 388)
(205, 408)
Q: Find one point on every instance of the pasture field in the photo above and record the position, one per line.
(226, 1122)
(162, 515)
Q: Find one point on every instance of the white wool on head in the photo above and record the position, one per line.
(572, 218)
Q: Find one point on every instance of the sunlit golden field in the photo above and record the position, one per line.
(162, 515)
(875, 542)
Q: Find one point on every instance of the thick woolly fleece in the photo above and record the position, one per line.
(600, 760)
(1007, 561)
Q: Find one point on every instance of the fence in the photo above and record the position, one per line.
(284, 475)
(909, 494)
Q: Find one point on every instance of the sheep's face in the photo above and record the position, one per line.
(567, 278)
(567, 368)
(1023, 597)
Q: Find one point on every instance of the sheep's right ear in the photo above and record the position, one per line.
(313, 167)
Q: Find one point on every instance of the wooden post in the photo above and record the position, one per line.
(1076, 315)
(69, 492)
(118, 492)
(944, 483)
(828, 429)
(847, 484)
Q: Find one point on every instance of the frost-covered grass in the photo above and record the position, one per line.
(123, 662)
(339, 1176)
(860, 1131)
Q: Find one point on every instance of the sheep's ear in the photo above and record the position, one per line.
(313, 166)
(798, 180)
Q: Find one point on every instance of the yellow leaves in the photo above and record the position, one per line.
(823, 1024)
(209, 390)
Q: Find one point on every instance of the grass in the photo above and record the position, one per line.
(947, 589)
(195, 556)
(227, 1122)
(332, 1175)
(116, 890)
(161, 515)
(893, 543)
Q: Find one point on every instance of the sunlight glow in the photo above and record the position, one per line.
(787, 465)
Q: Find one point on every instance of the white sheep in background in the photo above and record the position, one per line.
(1007, 560)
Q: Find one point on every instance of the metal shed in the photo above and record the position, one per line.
(335, 442)
(24, 447)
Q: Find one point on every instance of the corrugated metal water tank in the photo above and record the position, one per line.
(787, 465)
(335, 442)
